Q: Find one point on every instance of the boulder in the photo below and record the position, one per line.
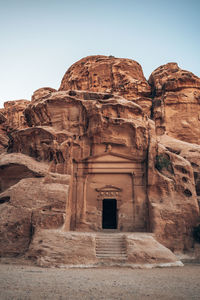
(15, 228)
(30, 198)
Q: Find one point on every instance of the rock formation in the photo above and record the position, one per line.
(107, 150)
(176, 102)
(108, 74)
(4, 139)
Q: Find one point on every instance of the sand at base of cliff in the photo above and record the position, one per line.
(29, 282)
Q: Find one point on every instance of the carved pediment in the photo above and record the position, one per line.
(108, 157)
(109, 188)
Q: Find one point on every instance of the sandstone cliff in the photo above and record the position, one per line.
(108, 74)
(176, 102)
(106, 133)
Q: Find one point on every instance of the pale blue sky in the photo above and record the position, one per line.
(40, 39)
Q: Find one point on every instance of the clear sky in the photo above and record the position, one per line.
(40, 39)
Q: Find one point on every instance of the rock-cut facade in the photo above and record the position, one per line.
(107, 151)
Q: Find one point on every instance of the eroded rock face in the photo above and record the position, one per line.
(190, 152)
(14, 113)
(142, 249)
(170, 176)
(30, 198)
(11, 119)
(69, 154)
(176, 102)
(84, 123)
(41, 93)
(4, 139)
(108, 74)
(15, 234)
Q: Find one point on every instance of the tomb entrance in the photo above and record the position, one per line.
(109, 192)
(109, 214)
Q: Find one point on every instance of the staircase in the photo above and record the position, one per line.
(111, 247)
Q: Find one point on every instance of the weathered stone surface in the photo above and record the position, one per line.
(142, 248)
(88, 158)
(30, 198)
(190, 152)
(14, 167)
(173, 205)
(81, 120)
(54, 248)
(42, 93)
(176, 102)
(15, 229)
(14, 113)
(4, 139)
(108, 74)
(57, 248)
(2, 117)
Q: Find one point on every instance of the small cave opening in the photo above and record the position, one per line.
(173, 150)
(184, 179)
(4, 199)
(181, 169)
(72, 93)
(197, 183)
(193, 164)
(187, 193)
(107, 96)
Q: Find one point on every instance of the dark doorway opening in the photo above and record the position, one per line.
(109, 217)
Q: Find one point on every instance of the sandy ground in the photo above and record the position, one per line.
(29, 282)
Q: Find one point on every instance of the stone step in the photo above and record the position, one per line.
(110, 241)
(111, 256)
(108, 236)
(111, 250)
(110, 246)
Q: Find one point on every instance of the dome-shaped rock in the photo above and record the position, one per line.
(108, 74)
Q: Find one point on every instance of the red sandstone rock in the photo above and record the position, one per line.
(169, 177)
(42, 93)
(2, 117)
(142, 250)
(4, 139)
(107, 74)
(92, 141)
(191, 152)
(14, 113)
(176, 102)
(76, 118)
(15, 233)
(30, 198)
